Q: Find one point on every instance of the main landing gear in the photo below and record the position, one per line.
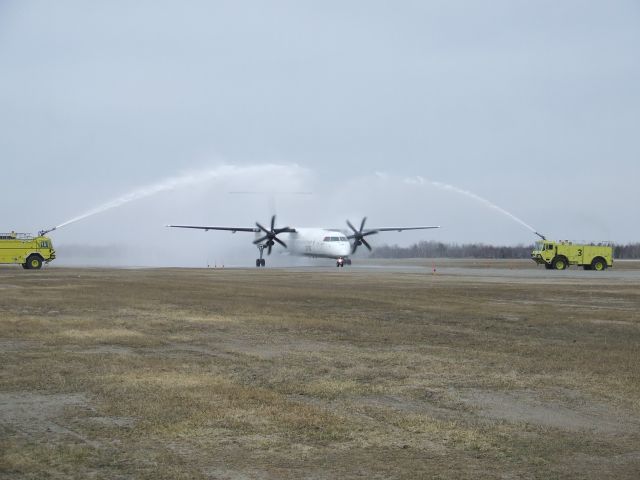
(260, 262)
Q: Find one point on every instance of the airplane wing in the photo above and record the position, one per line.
(229, 229)
(270, 236)
(358, 234)
(399, 229)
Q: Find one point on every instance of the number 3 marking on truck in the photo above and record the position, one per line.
(579, 252)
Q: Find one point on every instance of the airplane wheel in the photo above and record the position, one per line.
(258, 262)
(263, 262)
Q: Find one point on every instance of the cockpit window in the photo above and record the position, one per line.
(341, 238)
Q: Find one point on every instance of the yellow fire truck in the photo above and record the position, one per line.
(560, 255)
(29, 251)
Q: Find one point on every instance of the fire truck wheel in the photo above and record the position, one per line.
(25, 266)
(598, 264)
(34, 262)
(559, 263)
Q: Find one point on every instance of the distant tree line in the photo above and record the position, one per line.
(628, 251)
(478, 250)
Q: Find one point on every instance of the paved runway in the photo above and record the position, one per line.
(490, 270)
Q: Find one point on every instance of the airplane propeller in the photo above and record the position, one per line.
(358, 235)
(271, 236)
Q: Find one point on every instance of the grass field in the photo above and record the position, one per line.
(243, 374)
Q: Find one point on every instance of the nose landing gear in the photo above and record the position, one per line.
(341, 262)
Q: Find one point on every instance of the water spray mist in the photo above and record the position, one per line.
(181, 181)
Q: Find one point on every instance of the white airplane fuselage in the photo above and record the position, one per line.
(317, 243)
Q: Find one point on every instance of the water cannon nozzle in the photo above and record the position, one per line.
(42, 233)
(540, 235)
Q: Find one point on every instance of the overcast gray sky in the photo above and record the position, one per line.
(534, 105)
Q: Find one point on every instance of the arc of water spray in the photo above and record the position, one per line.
(180, 182)
(478, 198)
(486, 202)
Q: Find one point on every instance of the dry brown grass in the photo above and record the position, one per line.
(316, 374)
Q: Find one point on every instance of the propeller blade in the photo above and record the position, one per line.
(271, 235)
(358, 235)
(260, 240)
(280, 242)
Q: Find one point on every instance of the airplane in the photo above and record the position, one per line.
(309, 242)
